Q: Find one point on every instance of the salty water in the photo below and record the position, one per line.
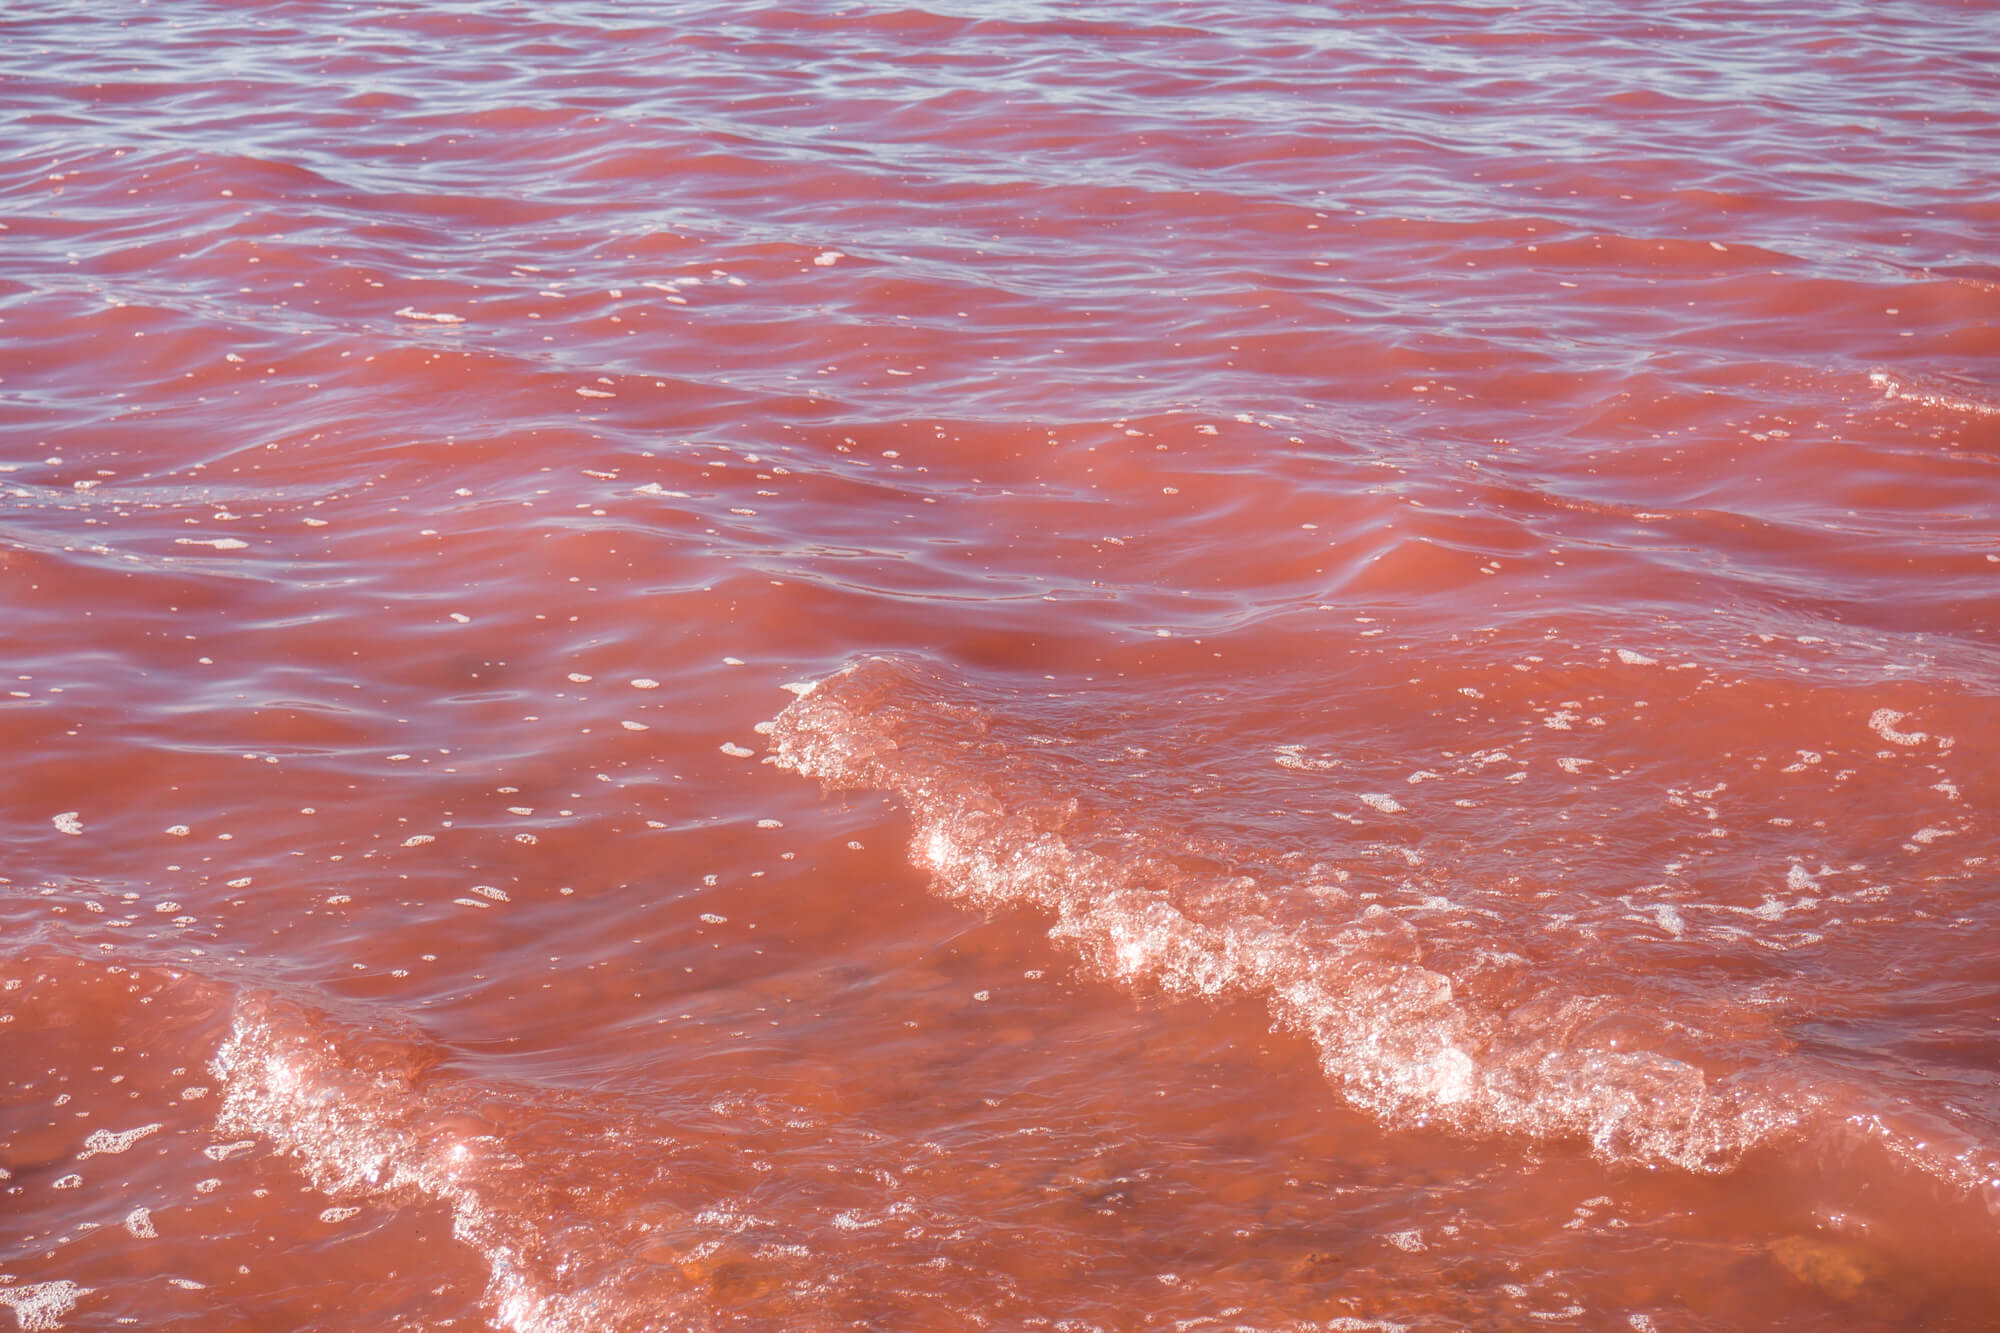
(1030, 665)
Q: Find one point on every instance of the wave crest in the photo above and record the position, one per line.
(1394, 1032)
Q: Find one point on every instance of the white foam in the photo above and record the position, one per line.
(1294, 756)
(377, 1119)
(110, 1141)
(370, 1129)
(1392, 1033)
(1883, 723)
(42, 1305)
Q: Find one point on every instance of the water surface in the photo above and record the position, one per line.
(1131, 666)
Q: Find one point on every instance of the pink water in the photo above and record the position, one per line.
(1028, 666)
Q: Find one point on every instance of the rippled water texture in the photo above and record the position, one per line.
(1027, 665)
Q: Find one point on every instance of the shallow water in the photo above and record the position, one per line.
(1024, 666)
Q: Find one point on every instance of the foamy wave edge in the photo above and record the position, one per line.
(1392, 1035)
(363, 1128)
